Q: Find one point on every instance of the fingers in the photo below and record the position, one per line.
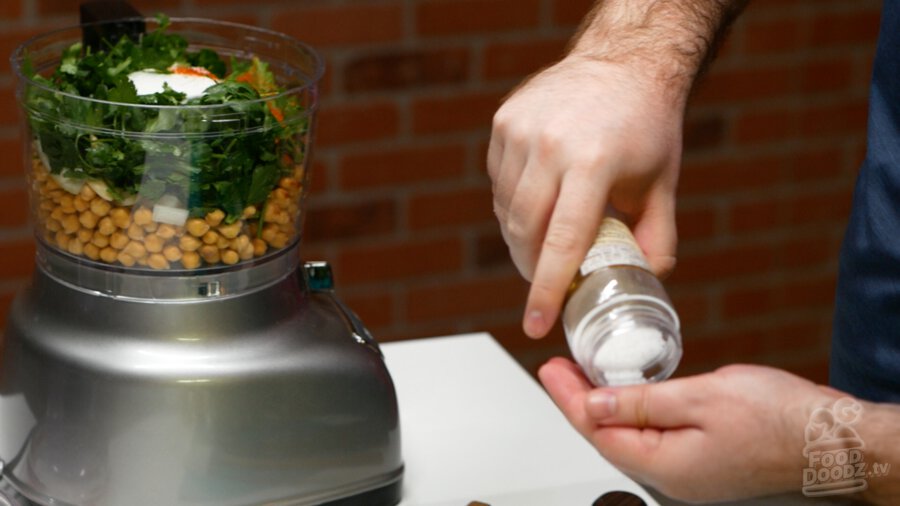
(670, 404)
(529, 213)
(656, 233)
(573, 224)
(568, 388)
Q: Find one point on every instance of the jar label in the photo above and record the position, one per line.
(614, 246)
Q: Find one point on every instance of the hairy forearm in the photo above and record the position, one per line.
(670, 41)
(880, 430)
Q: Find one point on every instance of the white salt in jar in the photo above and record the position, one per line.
(619, 322)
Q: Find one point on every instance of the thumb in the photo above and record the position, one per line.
(656, 234)
(668, 404)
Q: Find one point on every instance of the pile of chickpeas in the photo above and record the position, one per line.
(85, 224)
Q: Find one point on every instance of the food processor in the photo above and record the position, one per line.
(171, 348)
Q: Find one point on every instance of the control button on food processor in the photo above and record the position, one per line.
(319, 276)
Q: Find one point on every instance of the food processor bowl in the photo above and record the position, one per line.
(170, 348)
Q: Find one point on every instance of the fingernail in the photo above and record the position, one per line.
(534, 324)
(600, 404)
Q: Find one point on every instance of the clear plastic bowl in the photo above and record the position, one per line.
(198, 189)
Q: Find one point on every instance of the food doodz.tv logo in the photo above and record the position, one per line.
(835, 451)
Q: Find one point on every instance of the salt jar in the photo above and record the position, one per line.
(619, 322)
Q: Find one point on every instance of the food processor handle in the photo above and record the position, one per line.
(318, 277)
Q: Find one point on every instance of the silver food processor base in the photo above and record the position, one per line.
(215, 391)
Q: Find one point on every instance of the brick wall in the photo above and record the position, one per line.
(401, 204)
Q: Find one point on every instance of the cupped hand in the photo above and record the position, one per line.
(577, 137)
(735, 433)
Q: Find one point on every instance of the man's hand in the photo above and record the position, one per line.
(734, 433)
(580, 135)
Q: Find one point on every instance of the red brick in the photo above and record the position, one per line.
(9, 108)
(808, 252)
(704, 132)
(318, 178)
(349, 221)
(747, 84)
(815, 293)
(819, 165)
(458, 112)
(15, 207)
(695, 223)
(570, 12)
(765, 125)
(476, 297)
(399, 260)
(835, 74)
(10, 9)
(828, 207)
(18, 259)
(692, 308)
(69, 8)
(711, 353)
(797, 336)
(6, 299)
(407, 69)
(842, 28)
(842, 118)
(491, 251)
(401, 166)
(725, 263)
(451, 208)
(341, 25)
(756, 215)
(750, 302)
(718, 176)
(374, 309)
(13, 157)
(12, 37)
(507, 60)
(774, 36)
(453, 17)
(340, 124)
(814, 369)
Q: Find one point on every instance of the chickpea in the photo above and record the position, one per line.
(172, 253)
(214, 218)
(57, 214)
(91, 251)
(118, 240)
(289, 183)
(106, 226)
(99, 206)
(47, 205)
(248, 212)
(108, 255)
(166, 231)
(70, 224)
(246, 252)
(143, 216)
(230, 257)
(210, 237)
(231, 231)
(75, 247)
(80, 204)
(210, 254)
(100, 240)
(135, 232)
(157, 261)
(51, 183)
(239, 242)
(154, 243)
(190, 260)
(87, 193)
(281, 194)
(121, 217)
(88, 219)
(62, 239)
(151, 227)
(189, 243)
(269, 232)
(222, 243)
(52, 225)
(272, 210)
(259, 247)
(197, 227)
(85, 235)
(135, 249)
(125, 259)
(67, 203)
(280, 240)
